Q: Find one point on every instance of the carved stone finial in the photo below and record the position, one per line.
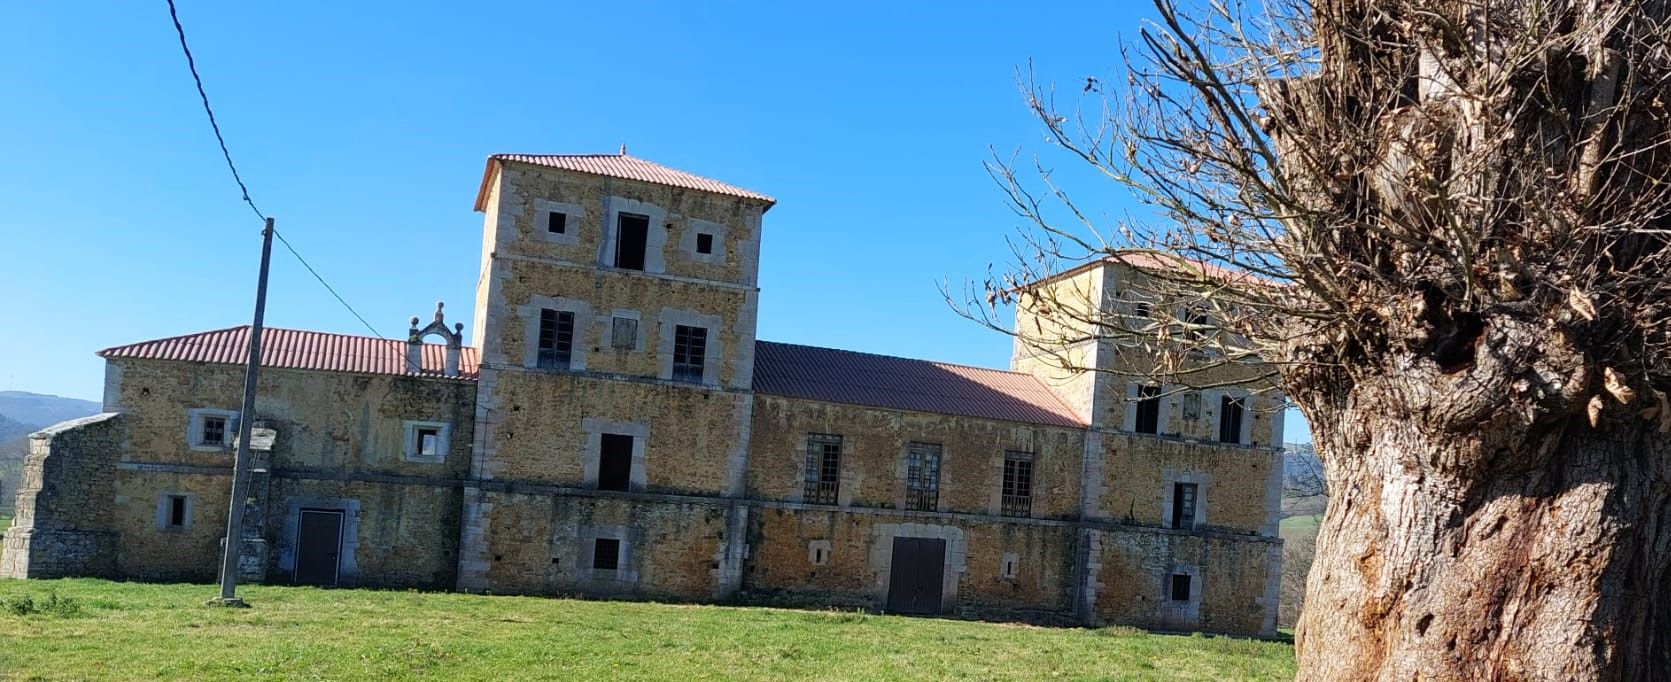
(438, 306)
(623, 149)
(458, 329)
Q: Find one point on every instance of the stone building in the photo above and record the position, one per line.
(616, 429)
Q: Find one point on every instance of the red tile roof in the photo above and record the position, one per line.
(841, 376)
(298, 349)
(620, 166)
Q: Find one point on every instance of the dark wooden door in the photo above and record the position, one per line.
(319, 547)
(917, 575)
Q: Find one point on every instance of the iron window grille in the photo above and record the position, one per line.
(556, 342)
(214, 430)
(823, 468)
(922, 476)
(1017, 497)
(606, 554)
(690, 347)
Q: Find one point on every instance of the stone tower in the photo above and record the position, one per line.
(615, 317)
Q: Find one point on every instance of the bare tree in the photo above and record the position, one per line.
(1440, 227)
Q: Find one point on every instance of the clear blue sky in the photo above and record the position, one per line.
(362, 128)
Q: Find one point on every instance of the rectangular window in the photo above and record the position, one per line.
(606, 554)
(690, 347)
(429, 441)
(1230, 415)
(1148, 409)
(1180, 586)
(615, 462)
(922, 476)
(1183, 505)
(823, 468)
(704, 243)
(556, 223)
(214, 430)
(624, 334)
(632, 238)
(556, 342)
(176, 511)
(1017, 499)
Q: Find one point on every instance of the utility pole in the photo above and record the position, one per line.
(246, 418)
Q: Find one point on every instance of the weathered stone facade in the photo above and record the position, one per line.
(611, 434)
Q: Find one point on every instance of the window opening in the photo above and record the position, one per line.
(823, 468)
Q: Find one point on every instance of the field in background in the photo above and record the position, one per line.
(118, 631)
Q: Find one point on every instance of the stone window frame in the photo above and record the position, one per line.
(587, 537)
(194, 429)
(812, 473)
(606, 337)
(574, 217)
(655, 240)
(530, 314)
(1133, 397)
(1182, 611)
(592, 453)
(687, 241)
(1009, 567)
(409, 440)
(1172, 477)
(929, 451)
(818, 552)
(713, 352)
(1211, 400)
(164, 507)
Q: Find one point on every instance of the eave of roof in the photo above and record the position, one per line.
(619, 166)
(300, 349)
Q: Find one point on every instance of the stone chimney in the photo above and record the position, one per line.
(415, 342)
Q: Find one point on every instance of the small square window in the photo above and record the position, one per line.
(556, 222)
(214, 430)
(1180, 586)
(606, 554)
(624, 334)
(704, 243)
(426, 441)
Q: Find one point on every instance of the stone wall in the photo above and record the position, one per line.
(996, 569)
(63, 524)
(874, 442)
(1232, 589)
(343, 443)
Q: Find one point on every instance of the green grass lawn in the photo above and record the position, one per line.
(1298, 525)
(133, 631)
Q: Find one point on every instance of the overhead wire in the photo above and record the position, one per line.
(214, 124)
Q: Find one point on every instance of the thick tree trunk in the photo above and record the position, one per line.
(1447, 555)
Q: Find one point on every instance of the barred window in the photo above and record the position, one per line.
(556, 342)
(214, 430)
(823, 468)
(922, 476)
(1017, 499)
(690, 347)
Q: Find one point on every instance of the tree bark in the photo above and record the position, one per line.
(1445, 555)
